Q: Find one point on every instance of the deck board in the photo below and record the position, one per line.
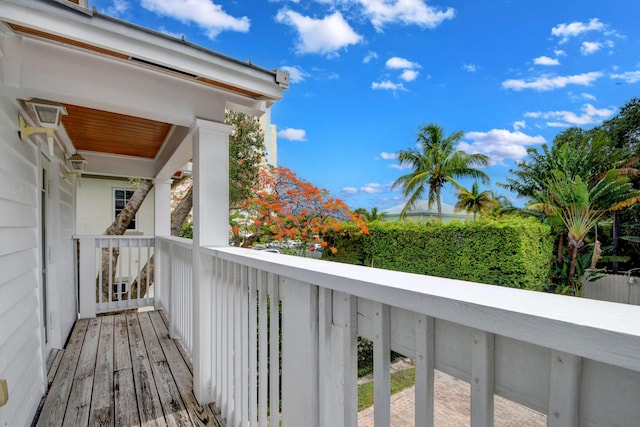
(55, 405)
(124, 370)
(146, 391)
(102, 401)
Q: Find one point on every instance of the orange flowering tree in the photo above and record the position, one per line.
(284, 207)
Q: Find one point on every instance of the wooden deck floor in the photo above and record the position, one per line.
(123, 370)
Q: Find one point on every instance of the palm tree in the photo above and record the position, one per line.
(570, 200)
(475, 201)
(435, 163)
(370, 216)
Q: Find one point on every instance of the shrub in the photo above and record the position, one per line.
(512, 252)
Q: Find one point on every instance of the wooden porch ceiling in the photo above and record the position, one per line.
(123, 370)
(105, 132)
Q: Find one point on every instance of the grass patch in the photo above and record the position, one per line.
(399, 381)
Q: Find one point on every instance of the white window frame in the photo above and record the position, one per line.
(113, 207)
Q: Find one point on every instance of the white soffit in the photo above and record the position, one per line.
(135, 42)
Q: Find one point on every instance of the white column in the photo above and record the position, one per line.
(162, 227)
(210, 183)
(210, 228)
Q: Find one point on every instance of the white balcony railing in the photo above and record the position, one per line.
(576, 360)
(174, 267)
(112, 273)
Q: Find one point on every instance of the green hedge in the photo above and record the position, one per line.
(512, 252)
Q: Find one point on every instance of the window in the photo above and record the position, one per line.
(120, 199)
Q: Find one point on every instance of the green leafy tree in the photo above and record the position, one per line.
(624, 132)
(434, 164)
(575, 152)
(624, 128)
(370, 216)
(474, 201)
(246, 154)
(569, 199)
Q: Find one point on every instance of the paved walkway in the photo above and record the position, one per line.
(452, 408)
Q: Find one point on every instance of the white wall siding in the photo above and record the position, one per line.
(95, 206)
(21, 354)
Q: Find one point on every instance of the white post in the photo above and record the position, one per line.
(87, 278)
(381, 365)
(210, 228)
(162, 227)
(482, 378)
(564, 389)
(299, 354)
(425, 364)
(338, 363)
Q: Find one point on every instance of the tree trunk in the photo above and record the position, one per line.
(439, 203)
(178, 216)
(573, 250)
(616, 240)
(559, 253)
(117, 228)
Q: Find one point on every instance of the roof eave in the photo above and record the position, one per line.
(70, 21)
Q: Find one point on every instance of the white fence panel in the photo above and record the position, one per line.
(619, 288)
(114, 273)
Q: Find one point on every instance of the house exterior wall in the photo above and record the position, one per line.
(21, 343)
(94, 209)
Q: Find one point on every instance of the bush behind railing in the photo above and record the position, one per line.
(511, 252)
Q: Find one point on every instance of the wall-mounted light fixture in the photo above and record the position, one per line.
(77, 164)
(49, 116)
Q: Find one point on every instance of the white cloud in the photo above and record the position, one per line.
(545, 60)
(325, 36)
(566, 31)
(293, 134)
(118, 8)
(370, 56)
(387, 85)
(296, 74)
(520, 124)
(163, 30)
(550, 83)
(560, 52)
(409, 75)
(397, 63)
(373, 188)
(388, 156)
(588, 48)
(204, 13)
(370, 188)
(588, 96)
(590, 115)
(628, 77)
(471, 68)
(399, 166)
(500, 144)
(350, 190)
(407, 12)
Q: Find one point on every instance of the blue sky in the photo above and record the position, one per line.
(366, 74)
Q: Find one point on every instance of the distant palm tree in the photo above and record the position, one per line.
(434, 164)
(475, 201)
(370, 216)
